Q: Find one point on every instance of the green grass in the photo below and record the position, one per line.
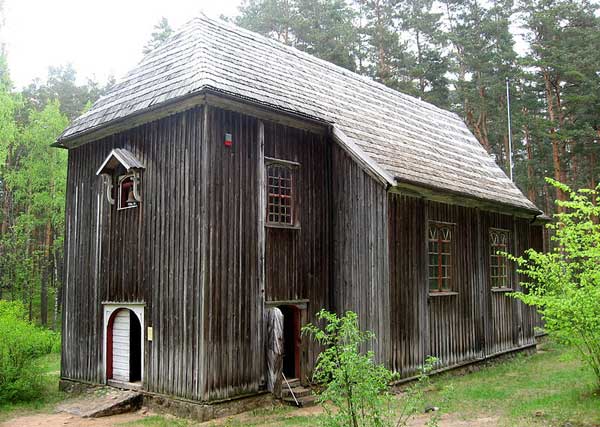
(549, 388)
(279, 415)
(50, 368)
(158, 421)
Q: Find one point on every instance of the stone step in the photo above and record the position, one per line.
(304, 402)
(299, 391)
(103, 404)
(293, 382)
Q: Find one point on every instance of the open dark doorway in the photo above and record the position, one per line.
(135, 354)
(291, 341)
(124, 347)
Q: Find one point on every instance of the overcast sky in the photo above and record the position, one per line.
(99, 37)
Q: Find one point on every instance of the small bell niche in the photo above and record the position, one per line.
(121, 172)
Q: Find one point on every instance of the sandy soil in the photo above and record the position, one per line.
(64, 419)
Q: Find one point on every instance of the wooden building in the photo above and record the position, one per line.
(228, 174)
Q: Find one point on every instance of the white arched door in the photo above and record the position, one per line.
(124, 343)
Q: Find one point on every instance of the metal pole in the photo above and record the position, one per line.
(510, 162)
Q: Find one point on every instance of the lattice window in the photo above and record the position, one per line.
(499, 271)
(280, 194)
(440, 257)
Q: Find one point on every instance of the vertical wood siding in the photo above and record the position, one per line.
(408, 293)
(452, 318)
(233, 303)
(192, 252)
(360, 242)
(107, 250)
(298, 261)
(188, 252)
(472, 324)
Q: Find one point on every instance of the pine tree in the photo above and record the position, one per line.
(386, 54)
(323, 28)
(565, 58)
(272, 18)
(483, 58)
(161, 32)
(427, 42)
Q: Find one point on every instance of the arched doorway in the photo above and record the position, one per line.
(124, 345)
(291, 341)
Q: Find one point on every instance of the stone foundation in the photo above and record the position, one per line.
(203, 411)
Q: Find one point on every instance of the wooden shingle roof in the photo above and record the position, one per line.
(409, 140)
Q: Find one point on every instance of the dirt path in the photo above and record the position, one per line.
(63, 419)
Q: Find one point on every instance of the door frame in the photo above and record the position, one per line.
(300, 307)
(110, 308)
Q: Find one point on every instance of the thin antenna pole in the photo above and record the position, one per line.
(510, 157)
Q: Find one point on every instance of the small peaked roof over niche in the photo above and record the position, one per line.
(404, 139)
(119, 156)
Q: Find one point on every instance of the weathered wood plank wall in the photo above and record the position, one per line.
(475, 321)
(107, 251)
(499, 306)
(453, 318)
(298, 260)
(195, 233)
(192, 252)
(360, 249)
(233, 302)
(408, 293)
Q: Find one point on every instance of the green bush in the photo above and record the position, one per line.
(564, 283)
(21, 343)
(354, 385)
(355, 390)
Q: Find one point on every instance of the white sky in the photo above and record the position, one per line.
(100, 38)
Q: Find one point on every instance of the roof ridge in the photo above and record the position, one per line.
(229, 26)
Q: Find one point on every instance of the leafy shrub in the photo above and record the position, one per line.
(355, 389)
(21, 343)
(564, 284)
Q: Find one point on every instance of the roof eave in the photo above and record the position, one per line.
(445, 195)
(205, 94)
(362, 158)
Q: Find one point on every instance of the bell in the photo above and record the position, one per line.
(131, 199)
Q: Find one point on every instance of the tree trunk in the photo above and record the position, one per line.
(531, 194)
(557, 145)
(57, 280)
(506, 159)
(593, 182)
(548, 199)
(5, 223)
(46, 274)
(382, 65)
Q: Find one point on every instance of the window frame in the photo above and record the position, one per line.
(501, 261)
(294, 205)
(450, 267)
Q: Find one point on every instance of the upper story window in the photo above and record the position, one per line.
(499, 271)
(281, 189)
(440, 256)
